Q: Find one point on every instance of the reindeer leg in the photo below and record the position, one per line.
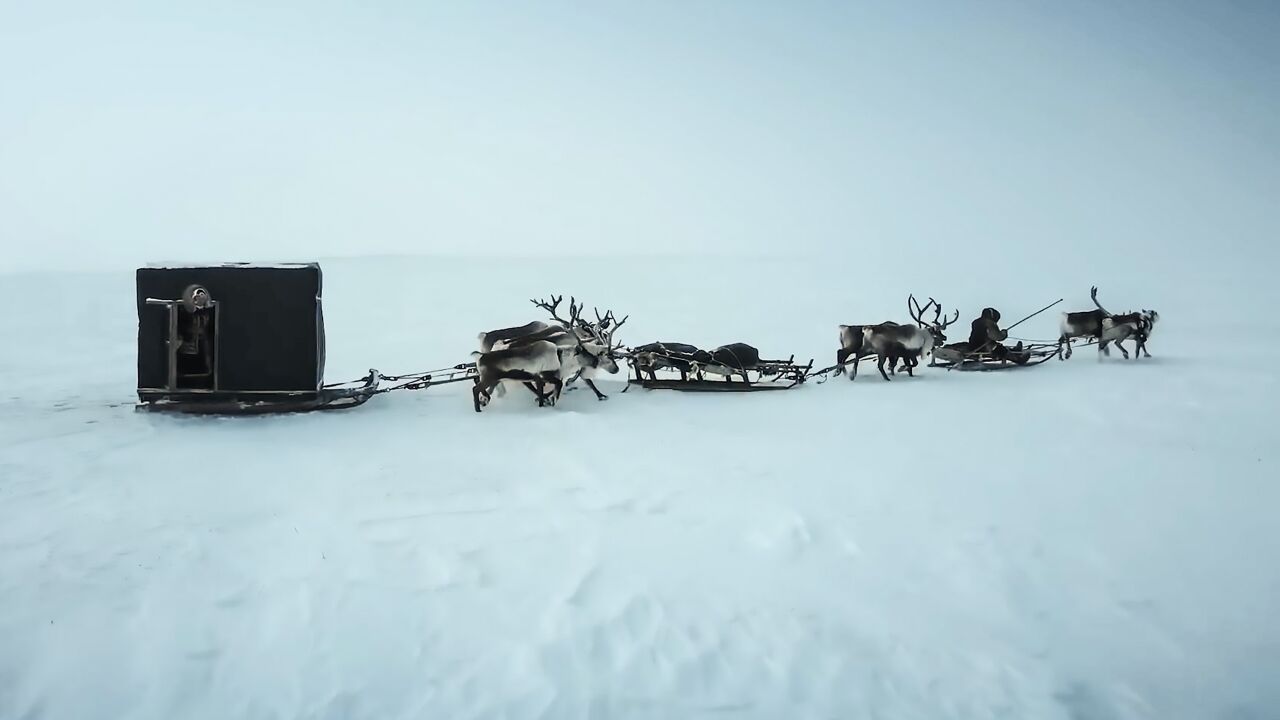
(853, 375)
(1064, 342)
(596, 390)
(536, 390)
(880, 367)
(479, 391)
(1120, 345)
(841, 356)
(558, 385)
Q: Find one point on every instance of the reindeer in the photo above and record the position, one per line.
(552, 333)
(1082, 324)
(572, 333)
(529, 332)
(892, 342)
(489, 339)
(851, 344)
(591, 357)
(586, 348)
(936, 327)
(1138, 325)
(537, 364)
(1107, 328)
(496, 339)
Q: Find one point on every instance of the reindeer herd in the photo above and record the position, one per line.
(544, 357)
(1107, 328)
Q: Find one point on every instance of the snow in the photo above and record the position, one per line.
(1084, 540)
(180, 265)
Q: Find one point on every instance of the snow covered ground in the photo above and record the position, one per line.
(1085, 540)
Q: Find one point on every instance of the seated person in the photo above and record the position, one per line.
(985, 336)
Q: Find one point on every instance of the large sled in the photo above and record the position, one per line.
(239, 339)
(959, 356)
(763, 376)
(236, 339)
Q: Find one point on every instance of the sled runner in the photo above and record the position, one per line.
(212, 402)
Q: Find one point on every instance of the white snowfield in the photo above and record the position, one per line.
(1082, 540)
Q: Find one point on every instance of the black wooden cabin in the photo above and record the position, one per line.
(252, 342)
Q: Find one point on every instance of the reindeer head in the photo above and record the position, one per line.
(1149, 320)
(598, 356)
(936, 325)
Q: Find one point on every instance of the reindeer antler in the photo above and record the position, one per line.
(616, 324)
(917, 312)
(606, 325)
(913, 307)
(940, 323)
(575, 311)
(552, 307)
(1093, 295)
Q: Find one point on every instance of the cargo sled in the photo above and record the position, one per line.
(736, 367)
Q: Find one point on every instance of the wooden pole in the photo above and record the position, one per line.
(1046, 307)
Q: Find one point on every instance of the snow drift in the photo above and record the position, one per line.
(1079, 540)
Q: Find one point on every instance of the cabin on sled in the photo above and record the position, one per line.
(233, 339)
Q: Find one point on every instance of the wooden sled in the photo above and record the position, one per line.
(959, 357)
(769, 375)
(229, 402)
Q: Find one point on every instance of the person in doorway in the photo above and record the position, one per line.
(195, 346)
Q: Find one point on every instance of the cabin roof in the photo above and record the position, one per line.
(189, 265)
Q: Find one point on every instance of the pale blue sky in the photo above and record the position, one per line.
(133, 132)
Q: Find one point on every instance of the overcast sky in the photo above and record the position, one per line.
(136, 132)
